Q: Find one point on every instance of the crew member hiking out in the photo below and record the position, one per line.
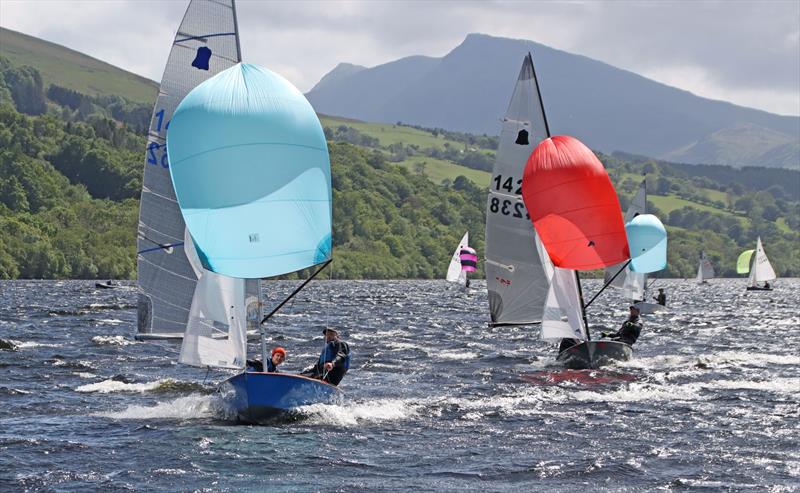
(334, 361)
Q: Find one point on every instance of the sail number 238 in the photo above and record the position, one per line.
(507, 207)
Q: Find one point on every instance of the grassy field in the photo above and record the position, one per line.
(438, 170)
(68, 68)
(670, 203)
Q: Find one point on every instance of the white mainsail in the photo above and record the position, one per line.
(454, 271)
(761, 270)
(705, 270)
(515, 276)
(563, 315)
(206, 43)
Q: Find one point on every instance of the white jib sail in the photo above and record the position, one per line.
(562, 317)
(216, 332)
(761, 270)
(454, 272)
(515, 276)
(205, 44)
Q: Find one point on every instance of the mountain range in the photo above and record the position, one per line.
(608, 108)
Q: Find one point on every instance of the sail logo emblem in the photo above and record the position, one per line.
(254, 238)
(202, 58)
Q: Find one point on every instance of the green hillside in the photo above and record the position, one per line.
(71, 165)
(74, 70)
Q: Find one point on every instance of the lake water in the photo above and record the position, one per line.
(435, 400)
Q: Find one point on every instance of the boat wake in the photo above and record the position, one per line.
(359, 413)
(165, 385)
(194, 406)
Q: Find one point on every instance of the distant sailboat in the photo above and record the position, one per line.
(463, 261)
(206, 43)
(757, 264)
(516, 277)
(251, 172)
(705, 270)
(634, 284)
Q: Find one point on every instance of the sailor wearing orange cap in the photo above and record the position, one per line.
(278, 355)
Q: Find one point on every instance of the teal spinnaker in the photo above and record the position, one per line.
(647, 239)
(251, 172)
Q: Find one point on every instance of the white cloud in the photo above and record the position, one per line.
(744, 52)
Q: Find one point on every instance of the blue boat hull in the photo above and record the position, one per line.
(258, 397)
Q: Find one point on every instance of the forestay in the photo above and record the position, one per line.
(515, 276)
(206, 43)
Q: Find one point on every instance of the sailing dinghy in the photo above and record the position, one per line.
(575, 211)
(206, 43)
(757, 264)
(463, 261)
(250, 167)
(705, 270)
(634, 284)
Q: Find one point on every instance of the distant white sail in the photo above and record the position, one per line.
(705, 270)
(761, 269)
(515, 277)
(634, 287)
(563, 317)
(454, 271)
(206, 43)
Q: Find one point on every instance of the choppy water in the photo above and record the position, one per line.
(435, 400)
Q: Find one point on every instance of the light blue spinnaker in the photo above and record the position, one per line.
(647, 239)
(250, 166)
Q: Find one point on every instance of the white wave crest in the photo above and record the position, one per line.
(353, 414)
(111, 341)
(108, 386)
(193, 406)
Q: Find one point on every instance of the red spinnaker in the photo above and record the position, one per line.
(573, 205)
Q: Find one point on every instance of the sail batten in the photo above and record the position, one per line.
(515, 276)
(166, 280)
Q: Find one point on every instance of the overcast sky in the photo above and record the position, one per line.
(740, 51)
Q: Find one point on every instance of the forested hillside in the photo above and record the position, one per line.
(71, 164)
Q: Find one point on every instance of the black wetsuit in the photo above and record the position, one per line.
(257, 365)
(661, 299)
(628, 333)
(336, 352)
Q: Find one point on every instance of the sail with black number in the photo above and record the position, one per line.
(515, 274)
(206, 43)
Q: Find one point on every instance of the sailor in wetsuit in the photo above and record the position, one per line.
(334, 361)
(661, 299)
(630, 330)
